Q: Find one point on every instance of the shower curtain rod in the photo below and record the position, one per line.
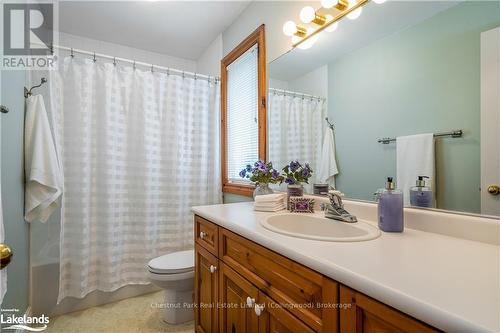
(294, 93)
(134, 63)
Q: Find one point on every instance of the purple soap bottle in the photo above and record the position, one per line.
(390, 208)
(421, 195)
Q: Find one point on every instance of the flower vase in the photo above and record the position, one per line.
(261, 189)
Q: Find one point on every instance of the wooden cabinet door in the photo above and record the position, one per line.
(206, 291)
(366, 315)
(284, 280)
(274, 318)
(236, 299)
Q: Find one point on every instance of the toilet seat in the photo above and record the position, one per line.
(173, 263)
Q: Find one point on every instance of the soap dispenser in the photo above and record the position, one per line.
(390, 208)
(421, 195)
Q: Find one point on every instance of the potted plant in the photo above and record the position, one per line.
(262, 174)
(296, 174)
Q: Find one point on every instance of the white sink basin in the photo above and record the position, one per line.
(320, 228)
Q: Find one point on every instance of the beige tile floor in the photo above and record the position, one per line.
(137, 314)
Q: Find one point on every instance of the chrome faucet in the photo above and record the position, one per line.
(335, 209)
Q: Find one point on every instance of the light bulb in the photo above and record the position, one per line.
(307, 14)
(355, 14)
(332, 27)
(329, 3)
(308, 43)
(379, 1)
(289, 28)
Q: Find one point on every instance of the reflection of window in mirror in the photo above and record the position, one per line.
(243, 111)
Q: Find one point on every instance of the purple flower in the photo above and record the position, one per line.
(248, 168)
(275, 174)
(289, 181)
(306, 173)
(260, 166)
(243, 173)
(294, 165)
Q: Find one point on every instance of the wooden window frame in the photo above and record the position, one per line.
(256, 37)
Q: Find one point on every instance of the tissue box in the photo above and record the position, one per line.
(301, 205)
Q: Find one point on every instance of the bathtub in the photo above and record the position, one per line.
(44, 277)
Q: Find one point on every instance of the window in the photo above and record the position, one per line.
(243, 111)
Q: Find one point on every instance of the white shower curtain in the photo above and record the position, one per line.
(138, 149)
(296, 128)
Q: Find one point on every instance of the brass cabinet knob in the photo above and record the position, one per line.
(5, 255)
(494, 189)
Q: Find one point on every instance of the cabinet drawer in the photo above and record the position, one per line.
(295, 287)
(205, 234)
(366, 315)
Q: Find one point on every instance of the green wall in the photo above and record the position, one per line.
(16, 229)
(422, 79)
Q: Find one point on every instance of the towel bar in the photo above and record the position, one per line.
(453, 134)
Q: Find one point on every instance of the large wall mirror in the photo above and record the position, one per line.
(405, 70)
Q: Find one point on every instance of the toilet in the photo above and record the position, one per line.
(174, 272)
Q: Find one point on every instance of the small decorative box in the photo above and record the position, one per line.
(301, 205)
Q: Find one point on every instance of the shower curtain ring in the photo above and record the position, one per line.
(183, 75)
(94, 58)
(114, 61)
(72, 54)
(195, 77)
(168, 71)
(152, 70)
(134, 65)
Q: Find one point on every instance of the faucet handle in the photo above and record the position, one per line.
(336, 198)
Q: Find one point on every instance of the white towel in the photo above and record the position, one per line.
(276, 209)
(275, 197)
(268, 205)
(415, 157)
(44, 181)
(328, 165)
(270, 202)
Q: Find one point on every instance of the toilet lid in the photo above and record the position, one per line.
(172, 263)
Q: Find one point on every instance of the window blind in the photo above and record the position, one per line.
(242, 113)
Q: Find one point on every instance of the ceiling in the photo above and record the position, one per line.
(178, 28)
(376, 22)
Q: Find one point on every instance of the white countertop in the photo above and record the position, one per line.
(450, 283)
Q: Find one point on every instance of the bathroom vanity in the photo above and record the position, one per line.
(250, 279)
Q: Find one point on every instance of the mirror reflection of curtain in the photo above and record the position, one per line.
(296, 127)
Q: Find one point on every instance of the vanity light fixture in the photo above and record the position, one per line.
(307, 43)
(331, 27)
(290, 29)
(308, 14)
(355, 14)
(337, 10)
(339, 4)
